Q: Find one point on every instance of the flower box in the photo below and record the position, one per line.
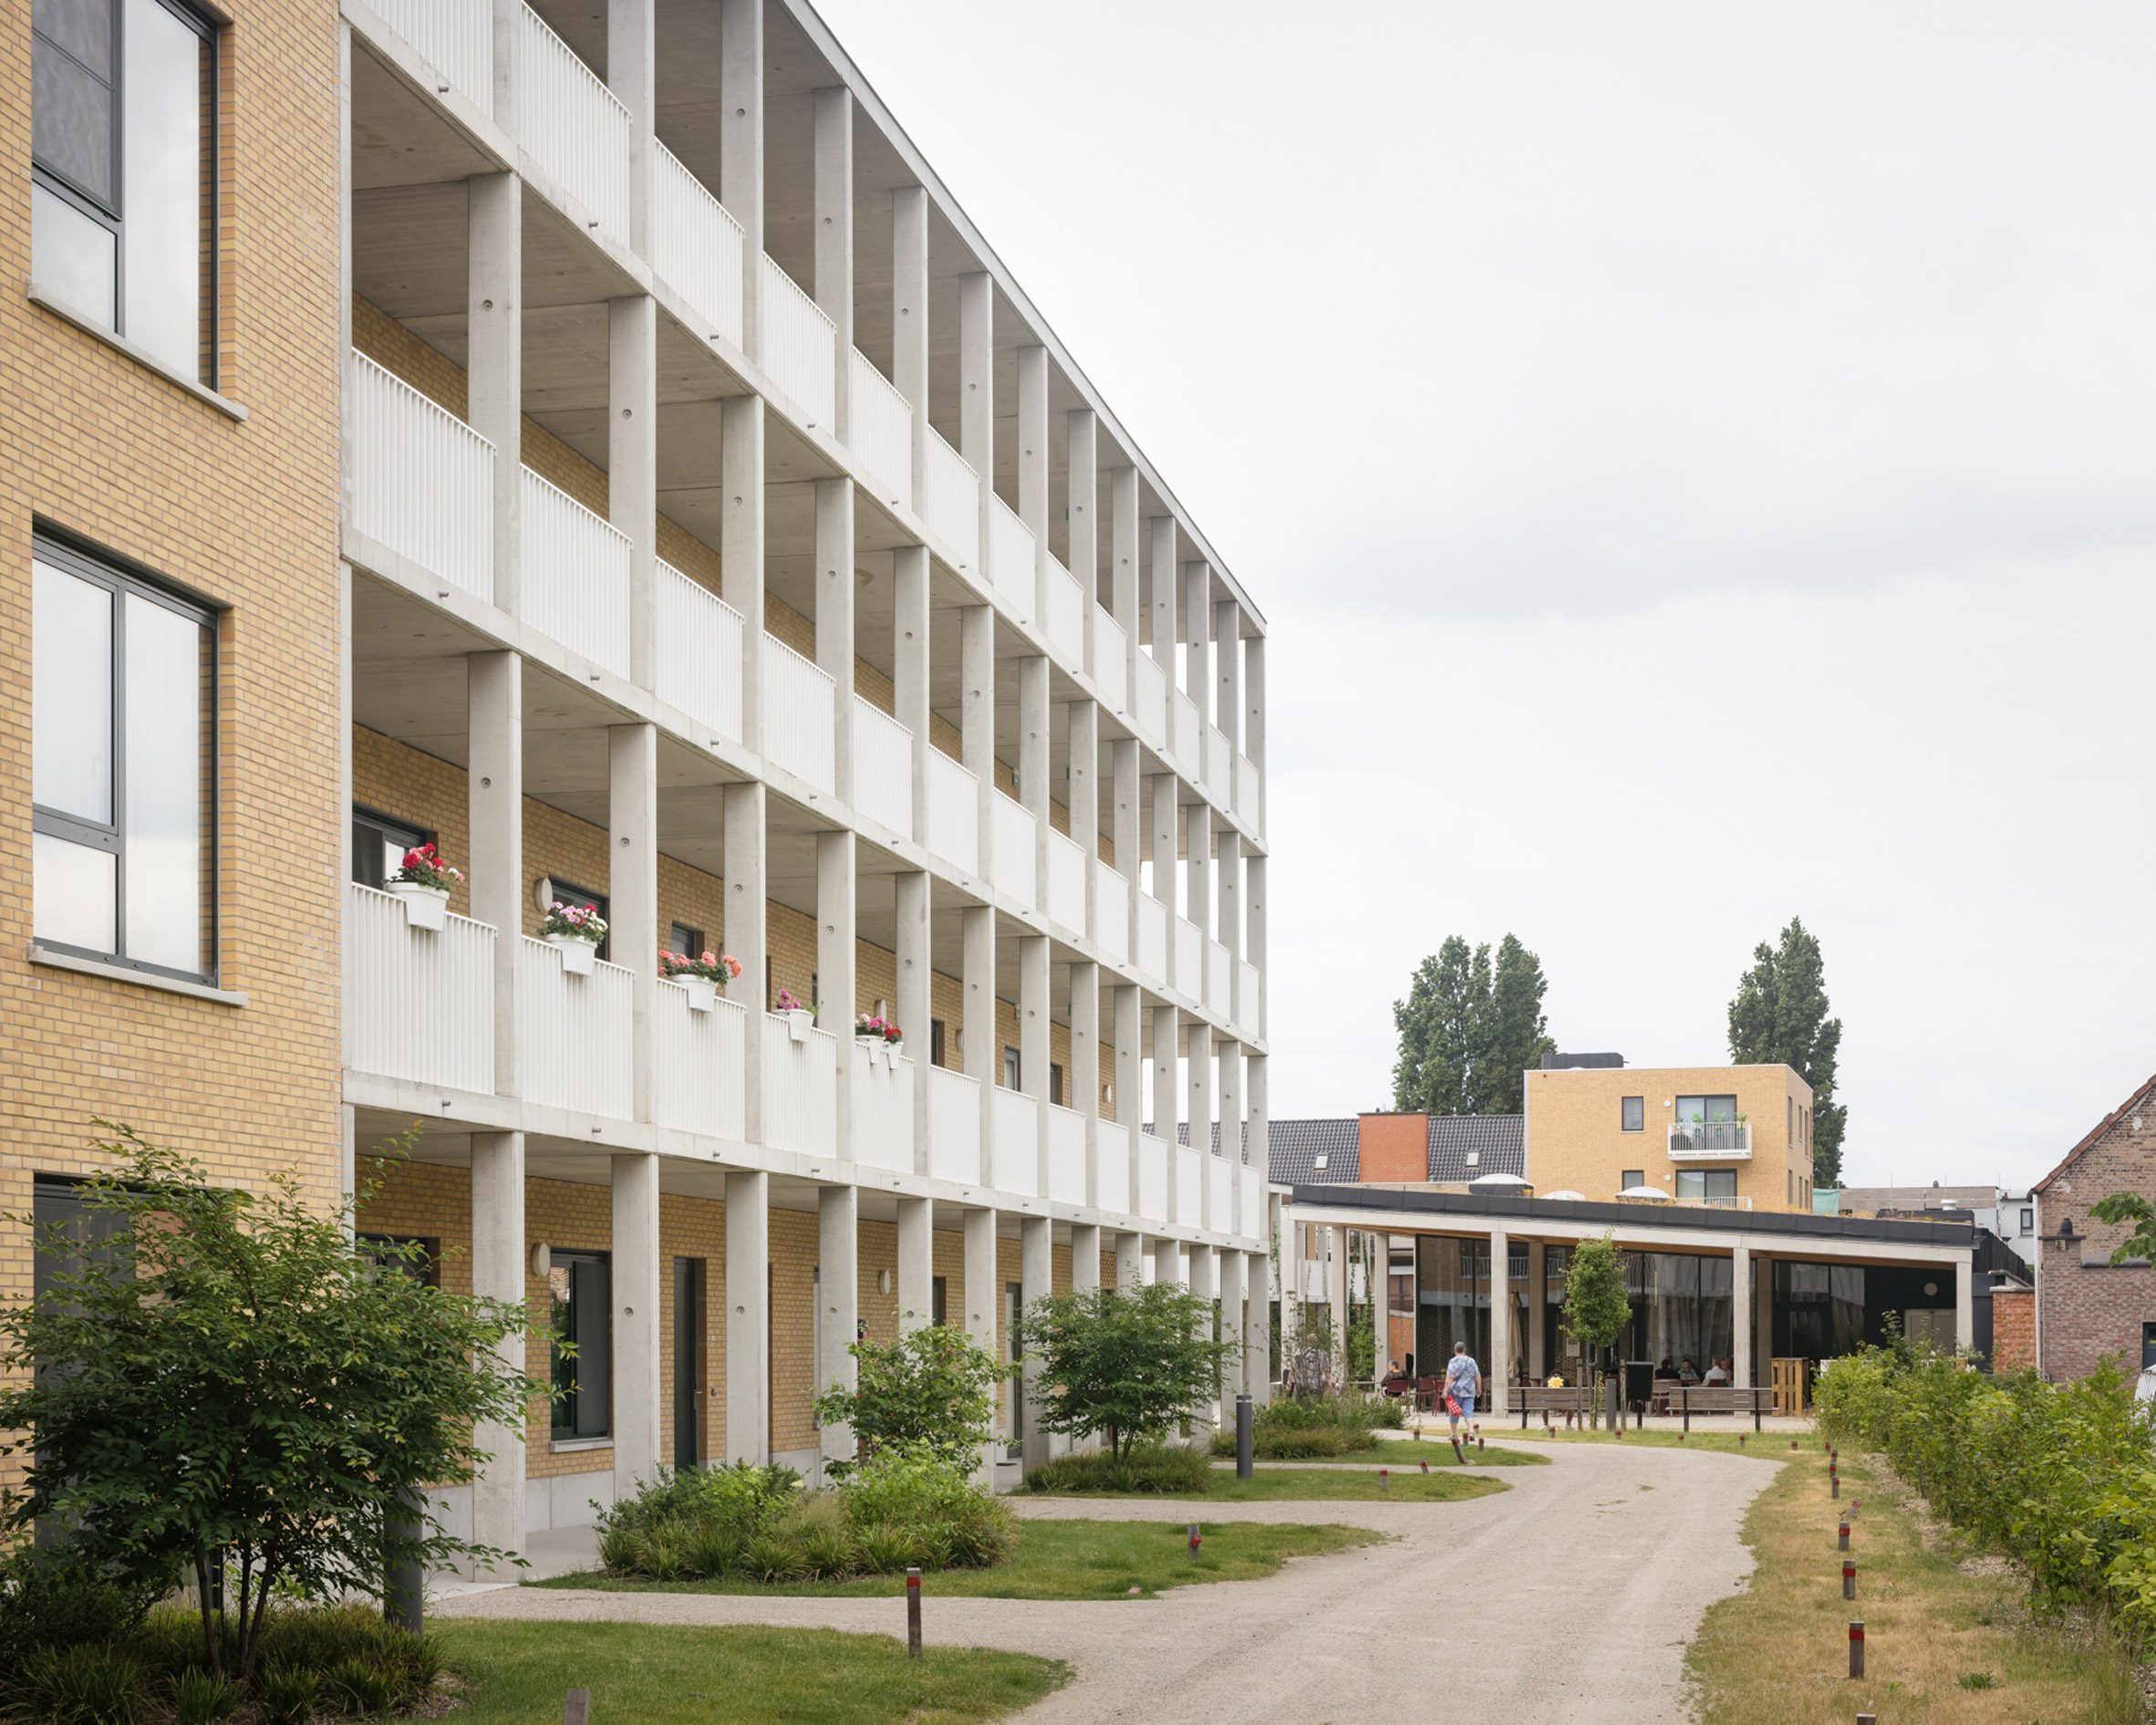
(703, 992)
(578, 955)
(424, 907)
(800, 1021)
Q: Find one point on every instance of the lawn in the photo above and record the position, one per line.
(1772, 1445)
(1396, 1452)
(1942, 1643)
(1328, 1481)
(1061, 1560)
(645, 1674)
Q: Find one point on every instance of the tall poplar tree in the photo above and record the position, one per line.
(1468, 1031)
(1779, 1015)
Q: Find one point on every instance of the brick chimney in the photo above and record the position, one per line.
(1396, 1148)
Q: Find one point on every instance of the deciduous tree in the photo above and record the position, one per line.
(1779, 1015)
(1596, 1307)
(1126, 1364)
(1469, 1031)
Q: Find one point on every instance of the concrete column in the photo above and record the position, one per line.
(1033, 441)
(1229, 1065)
(1740, 1308)
(909, 317)
(747, 914)
(1763, 1317)
(1166, 847)
(1197, 652)
(977, 718)
(916, 1002)
(1254, 945)
(1126, 1004)
(740, 542)
(1126, 824)
(636, 1283)
(984, 1294)
(835, 618)
(1496, 1386)
(494, 794)
(1167, 1259)
(1085, 1256)
(1085, 1066)
(1198, 1067)
(1205, 1284)
(1081, 485)
(1336, 1295)
(917, 1262)
(748, 1314)
(836, 919)
(1167, 1093)
(1227, 669)
(1034, 762)
(1161, 568)
(740, 150)
(983, 1055)
(1234, 1269)
(1257, 1116)
(838, 1300)
(632, 884)
(1130, 1261)
(1081, 793)
(499, 1256)
(1036, 1277)
(631, 76)
(910, 656)
(1537, 1339)
(493, 361)
(1965, 1305)
(833, 205)
(1122, 568)
(632, 463)
(1257, 1328)
(1254, 700)
(977, 391)
(1032, 1037)
(1198, 876)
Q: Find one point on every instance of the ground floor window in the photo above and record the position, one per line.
(581, 1304)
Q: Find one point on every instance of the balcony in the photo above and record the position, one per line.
(1187, 743)
(1153, 1174)
(1247, 794)
(575, 573)
(1256, 1223)
(1012, 556)
(1064, 624)
(954, 1127)
(1190, 1186)
(1066, 882)
(574, 1044)
(954, 813)
(1066, 1155)
(1111, 913)
(1219, 977)
(454, 37)
(1710, 1141)
(882, 768)
(1190, 948)
(574, 127)
(1153, 936)
(1012, 846)
(1250, 1004)
(798, 713)
(800, 349)
(422, 481)
(1151, 701)
(699, 1063)
(1015, 1120)
(419, 1004)
(1219, 766)
(952, 504)
(1221, 1182)
(1110, 661)
(699, 638)
(1113, 1145)
(697, 248)
(800, 1088)
(883, 1109)
(1724, 1201)
(881, 432)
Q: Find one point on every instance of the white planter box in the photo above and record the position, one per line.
(424, 907)
(799, 1023)
(703, 992)
(578, 955)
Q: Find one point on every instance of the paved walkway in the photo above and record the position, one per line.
(1569, 1597)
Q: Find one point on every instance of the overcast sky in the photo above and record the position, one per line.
(1698, 465)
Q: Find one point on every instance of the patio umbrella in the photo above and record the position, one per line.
(1652, 1193)
(1499, 1183)
(1566, 1197)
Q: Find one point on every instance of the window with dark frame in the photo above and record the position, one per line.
(124, 782)
(1055, 1083)
(123, 187)
(1631, 1178)
(1011, 1068)
(2028, 1222)
(406, 1255)
(565, 893)
(682, 938)
(936, 1041)
(379, 844)
(580, 1303)
(938, 1301)
(1632, 1114)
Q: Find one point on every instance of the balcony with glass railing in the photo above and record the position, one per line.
(1710, 1141)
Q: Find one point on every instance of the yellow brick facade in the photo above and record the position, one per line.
(95, 445)
(1576, 1140)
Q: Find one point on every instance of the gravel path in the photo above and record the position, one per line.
(1570, 1596)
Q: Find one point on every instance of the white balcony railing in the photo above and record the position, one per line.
(1247, 785)
(699, 1063)
(1066, 882)
(1251, 1219)
(1219, 977)
(573, 1033)
(954, 1127)
(1012, 556)
(454, 37)
(1111, 913)
(575, 574)
(418, 1004)
(700, 653)
(1012, 846)
(1219, 766)
(1720, 1201)
(882, 768)
(1188, 745)
(1710, 1141)
(952, 506)
(571, 124)
(800, 347)
(1152, 702)
(883, 431)
(422, 481)
(1066, 623)
(1219, 1194)
(798, 713)
(1066, 1155)
(1110, 661)
(697, 247)
(1190, 1187)
(954, 813)
(1015, 1120)
(882, 1109)
(1249, 1002)
(1153, 936)
(799, 1089)
(1153, 1175)
(1112, 1143)
(1190, 945)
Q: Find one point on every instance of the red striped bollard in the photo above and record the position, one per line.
(1194, 1539)
(1855, 1504)
(1844, 1533)
(1479, 1444)
(1741, 1440)
(1425, 1467)
(1849, 1578)
(1385, 1482)
(912, 1613)
(1856, 1647)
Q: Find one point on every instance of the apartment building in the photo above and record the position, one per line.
(589, 439)
(1725, 1137)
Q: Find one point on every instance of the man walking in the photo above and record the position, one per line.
(1462, 1383)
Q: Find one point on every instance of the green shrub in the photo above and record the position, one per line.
(362, 1688)
(286, 1694)
(773, 1558)
(933, 1389)
(88, 1683)
(55, 1599)
(1168, 1469)
(202, 1698)
(744, 1498)
(885, 1551)
(829, 1553)
(1296, 1429)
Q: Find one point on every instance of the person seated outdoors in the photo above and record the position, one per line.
(1717, 1374)
(1687, 1373)
(1666, 1371)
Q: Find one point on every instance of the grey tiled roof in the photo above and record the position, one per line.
(1298, 1144)
(1497, 1141)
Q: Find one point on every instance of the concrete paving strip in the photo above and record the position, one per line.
(1569, 1597)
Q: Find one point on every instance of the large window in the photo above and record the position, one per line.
(379, 844)
(123, 104)
(122, 767)
(582, 898)
(1715, 1186)
(582, 1309)
(1707, 1123)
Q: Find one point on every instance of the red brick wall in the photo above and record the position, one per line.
(2013, 1329)
(2089, 1310)
(1395, 1148)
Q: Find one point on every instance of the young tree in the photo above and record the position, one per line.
(1779, 1015)
(238, 1383)
(932, 1392)
(1125, 1363)
(1596, 1308)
